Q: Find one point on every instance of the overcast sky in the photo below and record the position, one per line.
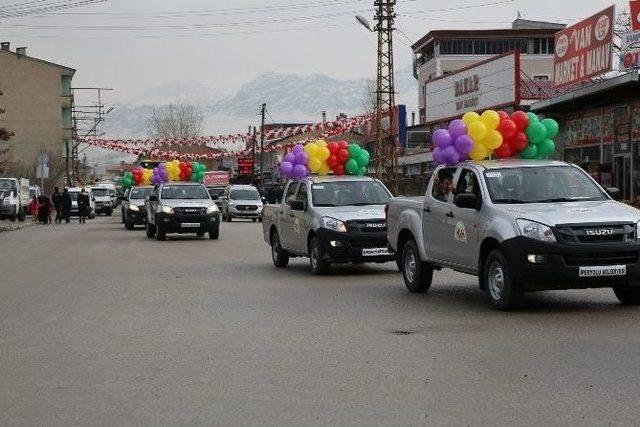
(134, 45)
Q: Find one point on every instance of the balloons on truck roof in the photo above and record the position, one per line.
(321, 157)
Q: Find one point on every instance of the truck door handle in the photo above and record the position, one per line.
(427, 209)
(450, 215)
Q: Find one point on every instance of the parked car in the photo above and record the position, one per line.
(181, 207)
(133, 208)
(241, 201)
(519, 226)
(330, 219)
(14, 198)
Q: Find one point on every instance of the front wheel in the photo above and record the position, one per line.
(129, 225)
(160, 233)
(501, 290)
(627, 295)
(319, 265)
(255, 219)
(151, 230)
(214, 234)
(279, 256)
(418, 275)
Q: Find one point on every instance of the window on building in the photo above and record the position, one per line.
(417, 139)
(543, 46)
(66, 117)
(65, 85)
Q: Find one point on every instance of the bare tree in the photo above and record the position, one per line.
(369, 96)
(5, 135)
(175, 121)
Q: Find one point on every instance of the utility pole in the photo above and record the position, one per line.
(385, 150)
(262, 112)
(253, 153)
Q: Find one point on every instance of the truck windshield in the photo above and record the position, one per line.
(140, 193)
(349, 193)
(549, 184)
(184, 192)
(244, 194)
(7, 186)
(100, 192)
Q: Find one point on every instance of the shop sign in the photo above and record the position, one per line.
(216, 178)
(630, 50)
(584, 50)
(634, 8)
(245, 166)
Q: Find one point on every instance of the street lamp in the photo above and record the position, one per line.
(363, 21)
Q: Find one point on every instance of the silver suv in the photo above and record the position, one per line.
(241, 201)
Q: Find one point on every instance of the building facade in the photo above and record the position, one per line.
(37, 100)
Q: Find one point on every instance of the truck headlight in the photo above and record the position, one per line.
(168, 210)
(334, 224)
(134, 208)
(212, 209)
(535, 230)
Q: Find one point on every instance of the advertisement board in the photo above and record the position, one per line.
(245, 166)
(489, 84)
(630, 50)
(216, 178)
(634, 8)
(584, 50)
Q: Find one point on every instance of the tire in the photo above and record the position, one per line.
(417, 274)
(254, 219)
(399, 263)
(627, 295)
(122, 214)
(503, 293)
(129, 225)
(160, 234)
(214, 234)
(151, 230)
(279, 256)
(319, 265)
(13, 217)
(109, 212)
(22, 216)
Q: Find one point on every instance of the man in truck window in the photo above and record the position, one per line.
(443, 185)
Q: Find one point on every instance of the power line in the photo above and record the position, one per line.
(46, 8)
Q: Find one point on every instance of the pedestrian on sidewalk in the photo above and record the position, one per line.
(56, 199)
(66, 205)
(33, 209)
(43, 209)
(83, 206)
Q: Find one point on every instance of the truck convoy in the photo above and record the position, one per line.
(14, 198)
(519, 226)
(330, 219)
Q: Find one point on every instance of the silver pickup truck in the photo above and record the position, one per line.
(519, 226)
(330, 219)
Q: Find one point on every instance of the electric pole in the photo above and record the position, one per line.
(385, 150)
(254, 141)
(262, 112)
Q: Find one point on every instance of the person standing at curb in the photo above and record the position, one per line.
(83, 206)
(66, 205)
(56, 198)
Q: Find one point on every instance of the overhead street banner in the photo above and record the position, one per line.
(634, 7)
(584, 50)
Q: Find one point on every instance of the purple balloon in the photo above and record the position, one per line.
(162, 166)
(437, 156)
(442, 138)
(450, 155)
(457, 128)
(297, 149)
(302, 158)
(464, 144)
(286, 168)
(290, 157)
(299, 171)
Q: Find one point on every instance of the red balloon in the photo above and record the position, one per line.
(504, 151)
(343, 155)
(521, 119)
(333, 147)
(338, 169)
(503, 115)
(519, 142)
(332, 161)
(343, 145)
(508, 128)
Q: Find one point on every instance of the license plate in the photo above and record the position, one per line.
(603, 271)
(376, 252)
(190, 225)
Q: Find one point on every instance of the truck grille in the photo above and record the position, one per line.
(373, 243)
(367, 226)
(246, 208)
(190, 211)
(596, 233)
(605, 258)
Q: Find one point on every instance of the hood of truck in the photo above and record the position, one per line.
(253, 202)
(599, 212)
(350, 213)
(188, 203)
(102, 198)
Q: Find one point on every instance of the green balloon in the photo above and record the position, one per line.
(363, 159)
(200, 175)
(351, 166)
(354, 149)
(532, 117)
(551, 126)
(203, 168)
(536, 133)
(546, 148)
(362, 171)
(530, 152)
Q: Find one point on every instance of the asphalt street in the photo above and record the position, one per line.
(102, 326)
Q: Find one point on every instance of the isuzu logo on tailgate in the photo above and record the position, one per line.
(602, 232)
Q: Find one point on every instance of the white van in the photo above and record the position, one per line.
(73, 192)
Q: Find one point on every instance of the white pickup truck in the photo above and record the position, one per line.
(519, 226)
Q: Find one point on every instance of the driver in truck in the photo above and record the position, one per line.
(444, 185)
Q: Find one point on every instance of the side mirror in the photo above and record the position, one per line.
(614, 193)
(466, 201)
(298, 205)
(153, 198)
(264, 199)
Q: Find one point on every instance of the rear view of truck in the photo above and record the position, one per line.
(14, 198)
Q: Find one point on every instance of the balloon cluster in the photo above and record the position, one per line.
(321, 158)
(176, 170)
(496, 133)
(142, 176)
(127, 180)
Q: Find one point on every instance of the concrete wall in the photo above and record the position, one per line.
(34, 101)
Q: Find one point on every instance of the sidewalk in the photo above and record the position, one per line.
(6, 225)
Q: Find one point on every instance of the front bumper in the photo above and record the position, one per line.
(103, 208)
(242, 213)
(563, 262)
(177, 223)
(137, 217)
(352, 246)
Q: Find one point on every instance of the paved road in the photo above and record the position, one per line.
(100, 326)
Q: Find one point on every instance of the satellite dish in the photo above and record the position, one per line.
(364, 22)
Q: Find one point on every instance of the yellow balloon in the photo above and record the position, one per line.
(321, 143)
(324, 169)
(477, 131)
(311, 149)
(493, 140)
(491, 119)
(470, 117)
(314, 164)
(479, 152)
(323, 153)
